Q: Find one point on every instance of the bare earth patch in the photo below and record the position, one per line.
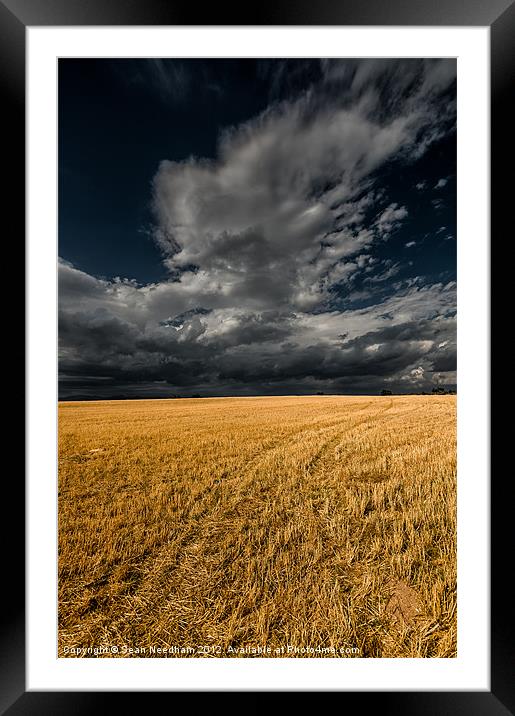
(405, 605)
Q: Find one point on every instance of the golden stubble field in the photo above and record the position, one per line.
(297, 523)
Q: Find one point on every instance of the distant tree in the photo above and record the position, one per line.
(386, 392)
(438, 390)
(320, 393)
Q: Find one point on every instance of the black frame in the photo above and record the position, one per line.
(499, 15)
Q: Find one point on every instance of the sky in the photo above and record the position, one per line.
(256, 227)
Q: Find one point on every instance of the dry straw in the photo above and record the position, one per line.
(227, 523)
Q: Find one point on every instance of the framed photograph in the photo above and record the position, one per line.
(258, 329)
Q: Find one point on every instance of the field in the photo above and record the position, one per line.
(312, 526)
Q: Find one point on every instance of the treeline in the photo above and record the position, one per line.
(436, 391)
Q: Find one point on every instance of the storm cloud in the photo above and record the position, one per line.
(276, 252)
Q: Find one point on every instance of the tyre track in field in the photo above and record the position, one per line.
(262, 454)
(325, 457)
(326, 454)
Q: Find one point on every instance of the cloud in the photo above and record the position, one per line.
(262, 211)
(168, 80)
(390, 220)
(441, 183)
(409, 244)
(279, 214)
(172, 81)
(121, 334)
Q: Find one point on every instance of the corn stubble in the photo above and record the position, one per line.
(235, 522)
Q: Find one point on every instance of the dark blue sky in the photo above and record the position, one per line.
(255, 196)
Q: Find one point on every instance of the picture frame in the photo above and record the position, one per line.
(15, 17)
